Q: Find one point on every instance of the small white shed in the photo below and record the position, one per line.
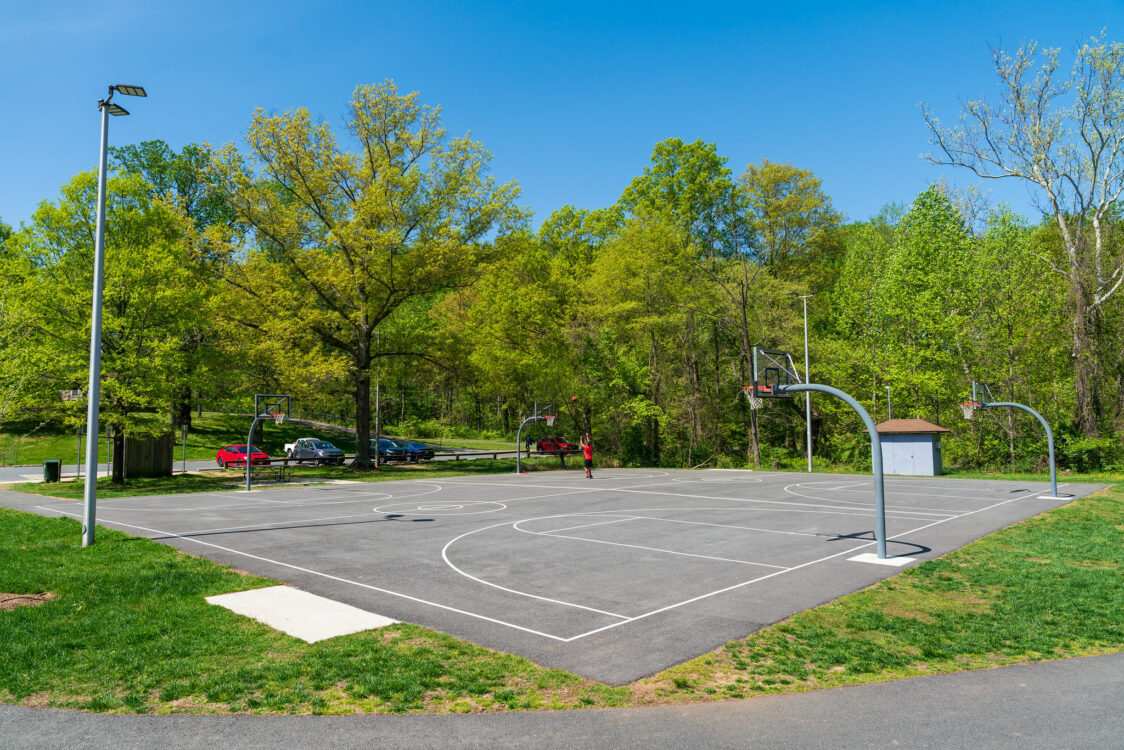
(911, 447)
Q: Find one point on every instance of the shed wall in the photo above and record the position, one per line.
(911, 454)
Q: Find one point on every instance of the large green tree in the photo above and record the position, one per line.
(1063, 136)
(343, 238)
(152, 299)
(184, 179)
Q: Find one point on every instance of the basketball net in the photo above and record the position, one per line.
(969, 408)
(755, 401)
(278, 417)
(549, 419)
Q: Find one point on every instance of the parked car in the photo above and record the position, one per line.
(235, 455)
(554, 445)
(314, 449)
(389, 450)
(418, 451)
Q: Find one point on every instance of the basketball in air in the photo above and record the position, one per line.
(573, 398)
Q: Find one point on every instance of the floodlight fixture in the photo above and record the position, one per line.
(127, 90)
(115, 109)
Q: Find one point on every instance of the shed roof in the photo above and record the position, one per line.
(909, 426)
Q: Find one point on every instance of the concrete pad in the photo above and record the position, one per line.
(301, 614)
(872, 557)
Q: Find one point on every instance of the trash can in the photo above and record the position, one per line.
(51, 469)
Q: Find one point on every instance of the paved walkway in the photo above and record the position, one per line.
(1074, 703)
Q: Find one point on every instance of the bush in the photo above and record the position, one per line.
(731, 462)
(1080, 453)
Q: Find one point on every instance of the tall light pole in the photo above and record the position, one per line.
(89, 512)
(808, 394)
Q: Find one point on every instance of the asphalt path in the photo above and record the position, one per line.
(1073, 703)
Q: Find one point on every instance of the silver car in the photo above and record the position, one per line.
(312, 449)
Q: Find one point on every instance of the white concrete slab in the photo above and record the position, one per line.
(301, 614)
(872, 557)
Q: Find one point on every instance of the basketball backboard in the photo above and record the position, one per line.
(270, 405)
(772, 368)
(981, 393)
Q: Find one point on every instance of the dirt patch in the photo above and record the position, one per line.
(11, 601)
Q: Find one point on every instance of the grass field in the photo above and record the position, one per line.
(129, 631)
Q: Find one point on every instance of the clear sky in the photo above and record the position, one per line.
(569, 97)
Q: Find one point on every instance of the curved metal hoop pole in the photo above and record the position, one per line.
(875, 454)
(250, 451)
(519, 440)
(1049, 442)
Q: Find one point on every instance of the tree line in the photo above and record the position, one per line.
(327, 265)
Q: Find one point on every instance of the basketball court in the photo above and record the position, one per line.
(613, 578)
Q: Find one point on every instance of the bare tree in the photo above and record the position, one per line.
(1065, 138)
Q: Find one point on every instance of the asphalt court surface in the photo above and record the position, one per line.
(613, 578)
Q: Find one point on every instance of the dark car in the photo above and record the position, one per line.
(554, 445)
(235, 455)
(312, 449)
(418, 451)
(390, 450)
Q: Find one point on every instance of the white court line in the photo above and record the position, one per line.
(286, 524)
(327, 575)
(451, 542)
(588, 525)
(649, 549)
(704, 523)
(869, 505)
(549, 635)
(919, 494)
(309, 502)
(640, 490)
(770, 502)
(275, 525)
(898, 486)
(795, 567)
(714, 593)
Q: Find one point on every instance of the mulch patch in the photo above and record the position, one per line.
(11, 601)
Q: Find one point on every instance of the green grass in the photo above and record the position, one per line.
(208, 433)
(1045, 588)
(472, 445)
(232, 479)
(130, 632)
(28, 443)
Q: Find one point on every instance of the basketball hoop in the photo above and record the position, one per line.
(969, 408)
(549, 419)
(278, 417)
(755, 401)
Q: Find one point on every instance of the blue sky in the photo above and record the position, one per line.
(569, 97)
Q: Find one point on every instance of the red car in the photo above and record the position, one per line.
(236, 455)
(554, 445)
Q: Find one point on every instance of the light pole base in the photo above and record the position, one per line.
(1053, 497)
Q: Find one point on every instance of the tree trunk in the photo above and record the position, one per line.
(181, 408)
(362, 380)
(118, 455)
(1084, 365)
